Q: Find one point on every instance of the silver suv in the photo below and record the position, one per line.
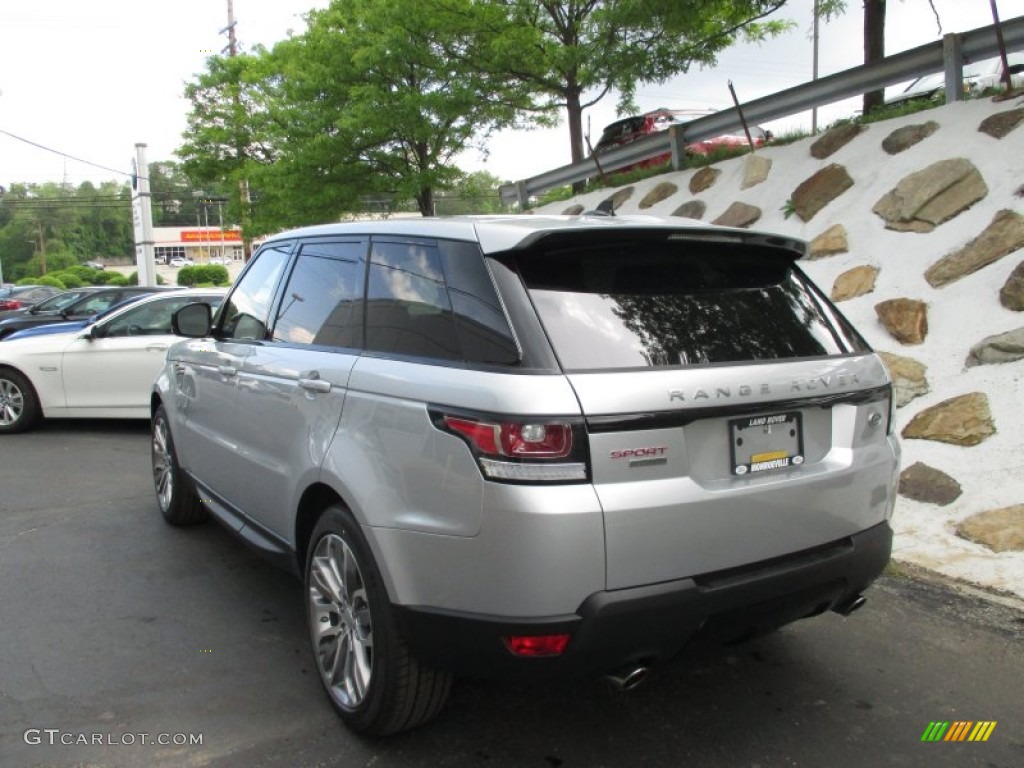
(530, 446)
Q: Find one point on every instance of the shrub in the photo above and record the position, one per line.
(216, 274)
(113, 278)
(69, 278)
(85, 274)
(133, 279)
(106, 278)
(213, 274)
(44, 280)
(187, 276)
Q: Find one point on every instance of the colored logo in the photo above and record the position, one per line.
(959, 730)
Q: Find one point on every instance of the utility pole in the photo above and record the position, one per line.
(142, 217)
(42, 249)
(230, 29)
(243, 184)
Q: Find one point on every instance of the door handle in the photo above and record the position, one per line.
(315, 385)
(227, 370)
(157, 348)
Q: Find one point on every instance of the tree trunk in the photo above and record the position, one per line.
(575, 116)
(425, 197)
(874, 46)
(425, 202)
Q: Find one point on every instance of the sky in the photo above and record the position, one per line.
(92, 79)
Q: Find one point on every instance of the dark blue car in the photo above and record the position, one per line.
(79, 304)
(70, 325)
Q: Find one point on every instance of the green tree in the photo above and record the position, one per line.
(46, 227)
(472, 193)
(366, 107)
(226, 133)
(179, 202)
(573, 53)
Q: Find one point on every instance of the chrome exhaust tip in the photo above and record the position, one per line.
(628, 678)
(851, 604)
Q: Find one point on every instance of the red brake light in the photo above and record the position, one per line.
(484, 437)
(529, 441)
(6, 304)
(537, 645)
(548, 441)
(530, 450)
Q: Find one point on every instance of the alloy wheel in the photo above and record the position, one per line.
(340, 621)
(12, 402)
(163, 465)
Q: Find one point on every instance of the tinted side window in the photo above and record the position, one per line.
(322, 303)
(408, 311)
(483, 330)
(246, 313)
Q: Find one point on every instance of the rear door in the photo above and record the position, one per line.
(733, 415)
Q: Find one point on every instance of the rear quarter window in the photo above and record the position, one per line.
(435, 299)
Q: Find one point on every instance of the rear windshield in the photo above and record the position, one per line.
(661, 303)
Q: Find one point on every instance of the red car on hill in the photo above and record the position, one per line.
(630, 129)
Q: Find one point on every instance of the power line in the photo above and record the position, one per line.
(64, 154)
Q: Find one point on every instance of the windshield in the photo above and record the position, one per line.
(60, 301)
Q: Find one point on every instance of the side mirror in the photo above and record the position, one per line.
(193, 321)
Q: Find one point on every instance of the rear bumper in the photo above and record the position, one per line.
(653, 623)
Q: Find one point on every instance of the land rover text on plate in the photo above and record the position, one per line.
(530, 446)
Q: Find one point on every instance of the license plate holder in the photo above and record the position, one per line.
(766, 442)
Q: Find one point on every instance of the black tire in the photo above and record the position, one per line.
(379, 689)
(19, 405)
(175, 494)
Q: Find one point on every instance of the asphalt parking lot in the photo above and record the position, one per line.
(117, 631)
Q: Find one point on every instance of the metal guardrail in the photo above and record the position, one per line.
(946, 55)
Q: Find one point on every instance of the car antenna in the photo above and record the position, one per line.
(604, 208)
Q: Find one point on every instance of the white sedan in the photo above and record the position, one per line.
(181, 261)
(105, 370)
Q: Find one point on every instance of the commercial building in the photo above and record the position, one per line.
(200, 244)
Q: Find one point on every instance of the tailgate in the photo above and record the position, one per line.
(704, 469)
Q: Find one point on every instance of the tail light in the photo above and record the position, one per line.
(6, 304)
(528, 450)
(537, 645)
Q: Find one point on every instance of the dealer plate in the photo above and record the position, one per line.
(766, 442)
